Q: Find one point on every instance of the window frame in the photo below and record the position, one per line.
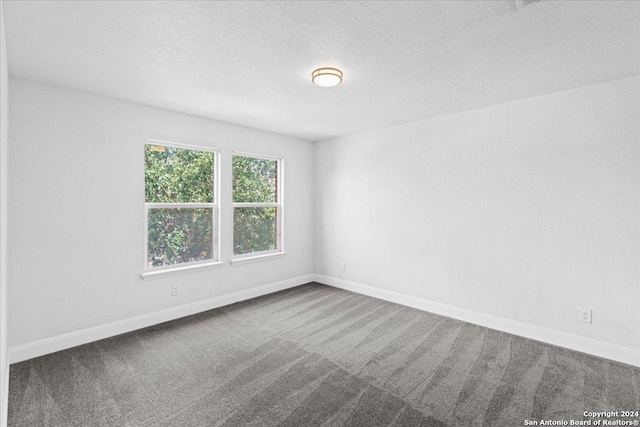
(185, 267)
(279, 205)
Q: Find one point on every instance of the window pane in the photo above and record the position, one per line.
(178, 175)
(254, 230)
(178, 235)
(254, 180)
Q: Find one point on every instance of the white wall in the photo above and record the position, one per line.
(77, 196)
(4, 142)
(524, 211)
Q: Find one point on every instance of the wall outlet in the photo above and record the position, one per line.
(343, 266)
(175, 290)
(584, 315)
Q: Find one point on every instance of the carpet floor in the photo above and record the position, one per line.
(316, 356)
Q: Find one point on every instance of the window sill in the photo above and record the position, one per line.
(150, 275)
(257, 258)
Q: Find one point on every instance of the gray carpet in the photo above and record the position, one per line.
(311, 356)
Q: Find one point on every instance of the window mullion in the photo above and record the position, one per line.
(255, 205)
(178, 205)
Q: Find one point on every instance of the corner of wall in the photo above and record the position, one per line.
(4, 135)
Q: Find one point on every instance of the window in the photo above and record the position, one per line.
(180, 206)
(257, 206)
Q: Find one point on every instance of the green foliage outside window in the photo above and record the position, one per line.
(178, 175)
(254, 181)
(178, 234)
(254, 230)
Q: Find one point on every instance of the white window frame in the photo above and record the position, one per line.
(186, 267)
(279, 205)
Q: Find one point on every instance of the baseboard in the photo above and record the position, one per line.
(550, 336)
(62, 342)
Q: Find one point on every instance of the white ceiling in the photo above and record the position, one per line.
(250, 62)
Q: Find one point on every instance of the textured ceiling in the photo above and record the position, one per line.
(250, 62)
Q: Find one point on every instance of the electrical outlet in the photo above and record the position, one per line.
(343, 266)
(584, 315)
(175, 289)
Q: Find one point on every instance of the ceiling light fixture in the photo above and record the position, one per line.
(326, 77)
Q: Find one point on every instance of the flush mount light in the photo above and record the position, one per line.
(326, 77)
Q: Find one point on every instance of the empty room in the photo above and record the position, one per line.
(319, 213)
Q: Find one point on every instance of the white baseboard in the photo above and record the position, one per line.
(62, 342)
(574, 342)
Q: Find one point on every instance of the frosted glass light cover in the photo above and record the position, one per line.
(326, 77)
